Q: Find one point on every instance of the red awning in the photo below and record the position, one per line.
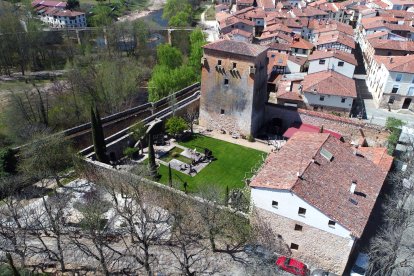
(308, 128)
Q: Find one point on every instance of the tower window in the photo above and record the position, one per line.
(298, 227)
(294, 246)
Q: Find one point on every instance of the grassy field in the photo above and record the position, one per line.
(232, 164)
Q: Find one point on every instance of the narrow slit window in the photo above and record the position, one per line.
(294, 246)
(298, 227)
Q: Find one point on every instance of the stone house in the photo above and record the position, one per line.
(233, 86)
(317, 194)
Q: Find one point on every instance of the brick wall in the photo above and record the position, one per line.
(317, 248)
(348, 128)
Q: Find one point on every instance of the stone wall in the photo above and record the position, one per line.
(317, 248)
(350, 129)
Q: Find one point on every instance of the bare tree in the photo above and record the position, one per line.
(191, 117)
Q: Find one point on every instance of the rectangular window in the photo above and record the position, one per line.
(234, 65)
(219, 62)
(331, 223)
(395, 89)
(294, 246)
(322, 61)
(302, 211)
(412, 81)
(340, 63)
(296, 50)
(226, 81)
(343, 100)
(275, 204)
(391, 100)
(298, 227)
(398, 77)
(410, 91)
(221, 111)
(322, 98)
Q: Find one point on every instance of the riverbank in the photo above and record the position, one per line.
(154, 5)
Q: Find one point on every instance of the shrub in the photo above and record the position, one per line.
(8, 162)
(175, 125)
(250, 138)
(131, 152)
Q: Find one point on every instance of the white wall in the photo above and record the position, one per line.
(404, 84)
(292, 67)
(329, 100)
(288, 206)
(332, 63)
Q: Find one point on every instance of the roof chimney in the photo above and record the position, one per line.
(353, 186)
(391, 60)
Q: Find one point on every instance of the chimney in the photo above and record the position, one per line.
(391, 60)
(353, 186)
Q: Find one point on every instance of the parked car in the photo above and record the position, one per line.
(321, 272)
(292, 266)
(361, 265)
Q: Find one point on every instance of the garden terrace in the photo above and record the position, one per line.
(232, 166)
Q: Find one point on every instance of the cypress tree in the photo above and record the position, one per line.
(226, 196)
(98, 137)
(152, 166)
(169, 175)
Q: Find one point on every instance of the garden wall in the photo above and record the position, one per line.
(350, 129)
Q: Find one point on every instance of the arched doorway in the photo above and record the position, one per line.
(406, 103)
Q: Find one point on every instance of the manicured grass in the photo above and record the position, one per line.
(233, 163)
(172, 154)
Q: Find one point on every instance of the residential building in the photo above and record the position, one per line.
(329, 90)
(301, 47)
(399, 4)
(335, 41)
(54, 14)
(338, 61)
(320, 198)
(233, 86)
(391, 81)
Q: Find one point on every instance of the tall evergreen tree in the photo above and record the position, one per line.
(98, 137)
(169, 175)
(152, 166)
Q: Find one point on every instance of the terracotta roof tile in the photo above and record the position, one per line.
(325, 183)
(329, 83)
(347, 57)
(403, 64)
(236, 47)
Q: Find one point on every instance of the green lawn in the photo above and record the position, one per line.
(232, 164)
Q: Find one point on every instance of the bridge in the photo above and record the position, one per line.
(117, 125)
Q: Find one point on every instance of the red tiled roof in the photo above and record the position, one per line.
(325, 184)
(347, 57)
(309, 128)
(403, 64)
(236, 47)
(301, 43)
(329, 83)
(387, 44)
(298, 59)
(379, 156)
(336, 38)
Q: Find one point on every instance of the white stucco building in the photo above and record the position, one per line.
(317, 195)
(338, 61)
(391, 81)
(329, 90)
(57, 18)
